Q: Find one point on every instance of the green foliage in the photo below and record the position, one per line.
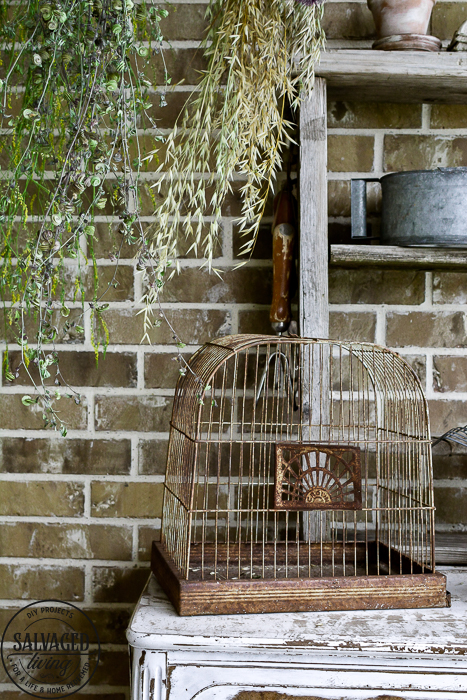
(75, 81)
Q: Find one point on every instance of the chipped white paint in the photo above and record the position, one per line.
(418, 653)
(148, 675)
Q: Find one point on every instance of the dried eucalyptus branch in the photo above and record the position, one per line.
(261, 55)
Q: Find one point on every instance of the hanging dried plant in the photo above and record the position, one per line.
(261, 56)
(76, 78)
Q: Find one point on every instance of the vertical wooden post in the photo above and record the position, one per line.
(314, 310)
(313, 275)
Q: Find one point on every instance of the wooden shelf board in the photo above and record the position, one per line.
(395, 76)
(395, 256)
(451, 548)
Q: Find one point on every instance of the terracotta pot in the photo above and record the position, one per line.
(394, 17)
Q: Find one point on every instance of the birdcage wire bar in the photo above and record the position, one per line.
(246, 398)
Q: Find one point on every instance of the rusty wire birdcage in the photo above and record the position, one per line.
(298, 478)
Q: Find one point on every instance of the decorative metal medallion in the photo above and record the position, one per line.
(317, 477)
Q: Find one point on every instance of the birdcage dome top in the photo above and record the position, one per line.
(390, 374)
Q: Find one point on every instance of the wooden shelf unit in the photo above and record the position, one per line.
(365, 75)
(377, 76)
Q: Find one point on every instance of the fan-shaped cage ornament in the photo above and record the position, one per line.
(298, 478)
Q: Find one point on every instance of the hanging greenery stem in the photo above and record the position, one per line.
(74, 85)
(261, 55)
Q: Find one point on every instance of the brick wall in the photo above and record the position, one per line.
(78, 515)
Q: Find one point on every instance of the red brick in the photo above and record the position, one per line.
(146, 536)
(47, 498)
(451, 505)
(426, 329)
(162, 370)
(244, 285)
(185, 21)
(374, 115)
(113, 669)
(445, 415)
(114, 585)
(41, 582)
(193, 326)
(355, 325)
(450, 373)
(348, 153)
(81, 369)
(263, 246)
(152, 456)
(15, 414)
(367, 286)
(80, 541)
(70, 456)
(255, 322)
(418, 152)
(348, 20)
(144, 413)
(114, 499)
(449, 287)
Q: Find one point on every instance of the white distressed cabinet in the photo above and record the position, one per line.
(341, 655)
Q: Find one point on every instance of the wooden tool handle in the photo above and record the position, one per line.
(283, 240)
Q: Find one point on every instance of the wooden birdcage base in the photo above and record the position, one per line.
(266, 595)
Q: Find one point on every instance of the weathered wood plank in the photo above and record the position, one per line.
(314, 305)
(314, 312)
(395, 256)
(392, 76)
(451, 547)
(238, 596)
